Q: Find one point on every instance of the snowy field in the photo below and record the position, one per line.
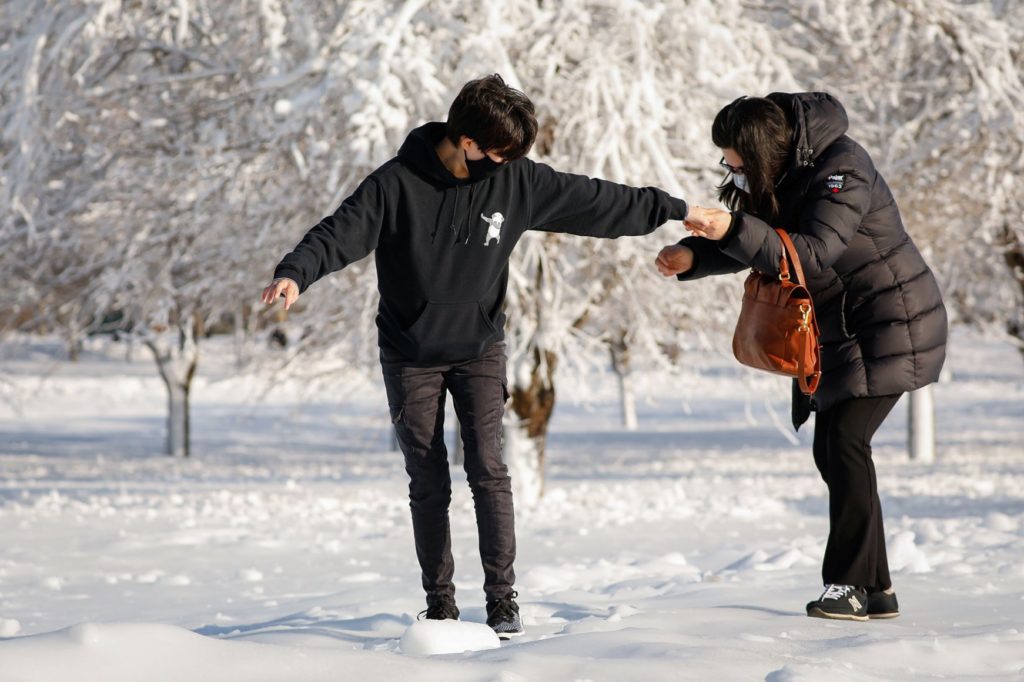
(683, 550)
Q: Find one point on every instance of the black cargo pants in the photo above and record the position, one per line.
(416, 398)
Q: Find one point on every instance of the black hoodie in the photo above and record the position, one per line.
(443, 243)
(883, 323)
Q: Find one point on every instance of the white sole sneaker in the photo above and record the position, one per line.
(815, 612)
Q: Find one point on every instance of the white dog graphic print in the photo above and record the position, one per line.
(493, 227)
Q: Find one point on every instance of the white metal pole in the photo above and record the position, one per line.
(921, 425)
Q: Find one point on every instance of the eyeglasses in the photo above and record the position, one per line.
(735, 170)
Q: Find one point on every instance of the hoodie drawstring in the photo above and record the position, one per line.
(455, 208)
(457, 232)
(453, 219)
(437, 223)
(469, 216)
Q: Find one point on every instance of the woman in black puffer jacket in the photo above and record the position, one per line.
(883, 324)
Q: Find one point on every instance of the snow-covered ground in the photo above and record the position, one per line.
(684, 550)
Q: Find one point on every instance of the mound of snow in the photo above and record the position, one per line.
(130, 652)
(9, 627)
(431, 637)
(905, 555)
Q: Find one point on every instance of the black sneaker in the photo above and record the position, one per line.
(503, 616)
(883, 605)
(842, 602)
(440, 608)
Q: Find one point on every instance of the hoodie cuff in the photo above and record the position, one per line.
(679, 209)
(683, 276)
(293, 275)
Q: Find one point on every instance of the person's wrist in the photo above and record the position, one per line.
(680, 207)
(287, 273)
(730, 229)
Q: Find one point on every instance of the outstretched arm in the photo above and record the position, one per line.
(834, 213)
(699, 256)
(344, 237)
(589, 207)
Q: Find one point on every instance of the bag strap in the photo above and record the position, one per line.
(790, 250)
(808, 383)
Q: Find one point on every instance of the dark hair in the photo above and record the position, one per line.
(498, 118)
(759, 131)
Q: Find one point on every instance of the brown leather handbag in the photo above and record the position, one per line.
(776, 330)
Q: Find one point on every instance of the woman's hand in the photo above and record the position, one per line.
(674, 259)
(712, 223)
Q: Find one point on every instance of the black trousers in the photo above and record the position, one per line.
(416, 398)
(855, 553)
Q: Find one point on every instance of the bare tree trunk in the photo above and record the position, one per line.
(240, 337)
(1014, 255)
(177, 362)
(73, 338)
(532, 406)
(129, 347)
(627, 398)
(73, 343)
(177, 419)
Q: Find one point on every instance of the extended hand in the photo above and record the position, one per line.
(281, 286)
(674, 259)
(712, 223)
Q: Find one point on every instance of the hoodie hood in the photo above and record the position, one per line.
(419, 152)
(818, 120)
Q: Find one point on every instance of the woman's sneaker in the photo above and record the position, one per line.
(440, 608)
(503, 616)
(842, 602)
(883, 605)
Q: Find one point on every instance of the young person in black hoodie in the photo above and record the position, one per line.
(442, 218)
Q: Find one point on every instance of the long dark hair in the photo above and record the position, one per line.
(758, 130)
(497, 117)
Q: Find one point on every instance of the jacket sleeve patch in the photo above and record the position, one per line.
(835, 183)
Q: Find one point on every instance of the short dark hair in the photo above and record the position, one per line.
(759, 131)
(499, 118)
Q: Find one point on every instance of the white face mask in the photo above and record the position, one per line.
(741, 182)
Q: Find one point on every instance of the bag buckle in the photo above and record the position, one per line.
(805, 311)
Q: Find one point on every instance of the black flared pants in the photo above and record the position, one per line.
(855, 552)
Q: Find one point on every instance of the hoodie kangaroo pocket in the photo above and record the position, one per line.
(448, 332)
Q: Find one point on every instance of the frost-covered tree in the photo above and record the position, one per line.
(616, 85)
(149, 167)
(619, 104)
(158, 158)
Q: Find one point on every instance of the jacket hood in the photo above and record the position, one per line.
(419, 153)
(818, 120)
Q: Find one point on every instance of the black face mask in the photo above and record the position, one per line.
(483, 168)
